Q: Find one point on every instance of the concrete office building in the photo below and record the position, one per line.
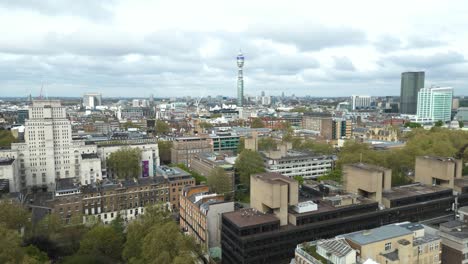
(367, 180)
(435, 104)
(263, 234)
(360, 102)
(439, 171)
(200, 214)
(91, 100)
(411, 83)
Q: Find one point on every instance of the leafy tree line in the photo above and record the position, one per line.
(152, 238)
(419, 142)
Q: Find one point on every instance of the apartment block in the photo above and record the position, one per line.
(177, 179)
(184, 148)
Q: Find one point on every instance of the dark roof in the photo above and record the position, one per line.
(65, 184)
(413, 190)
(6, 161)
(4, 185)
(89, 156)
(377, 234)
(249, 217)
(392, 255)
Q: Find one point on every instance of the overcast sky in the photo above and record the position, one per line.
(177, 48)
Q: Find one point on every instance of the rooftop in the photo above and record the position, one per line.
(436, 158)
(391, 255)
(337, 246)
(89, 156)
(66, 184)
(368, 167)
(171, 172)
(427, 238)
(377, 234)
(274, 177)
(412, 190)
(6, 161)
(250, 217)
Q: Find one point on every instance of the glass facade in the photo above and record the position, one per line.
(435, 104)
(411, 83)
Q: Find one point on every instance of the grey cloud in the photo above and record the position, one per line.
(431, 61)
(96, 10)
(343, 64)
(388, 43)
(313, 38)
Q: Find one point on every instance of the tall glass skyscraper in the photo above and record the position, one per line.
(411, 83)
(435, 104)
(240, 80)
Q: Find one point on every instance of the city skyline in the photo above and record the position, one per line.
(112, 50)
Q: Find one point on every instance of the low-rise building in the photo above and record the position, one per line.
(9, 173)
(177, 180)
(200, 213)
(184, 148)
(440, 171)
(206, 163)
(293, 163)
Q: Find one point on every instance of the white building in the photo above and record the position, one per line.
(8, 171)
(434, 104)
(293, 163)
(360, 101)
(91, 100)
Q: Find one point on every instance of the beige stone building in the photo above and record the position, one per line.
(206, 163)
(184, 148)
(439, 171)
(273, 193)
(396, 244)
(367, 180)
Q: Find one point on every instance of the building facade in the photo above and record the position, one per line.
(411, 83)
(360, 102)
(178, 179)
(91, 100)
(435, 104)
(184, 148)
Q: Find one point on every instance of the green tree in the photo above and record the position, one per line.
(241, 145)
(219, 182)
(461, 124)
(257, 123)
(299, 179)
(102, 240)
(247, 163)
(334, 175)
(164, 147)
(288, 134)
(439, 123)
(206, 126)
(267, 144)
(155, 238)
(14, 216)
(10, 249)
(316, 147)
(412, 125)
(162, 127)
(6, 138)
(125, 163)
(198, 178)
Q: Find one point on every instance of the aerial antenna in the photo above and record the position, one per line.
(40, 93)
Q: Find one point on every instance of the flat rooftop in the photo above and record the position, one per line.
(324, 206)
(249, 217)
(368, 167)
(412, 190)
(437, 158)
(6, 161)
(377, 234)
(274, 177)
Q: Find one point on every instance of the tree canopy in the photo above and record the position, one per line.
(257, 123)
(6, 138)
(164, 147)
(126, 162)
(314, 146)
(219, 181)
(267, 144)
(247, 163)
(162, 127)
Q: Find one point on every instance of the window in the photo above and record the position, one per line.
(436, 257)
(388, 246)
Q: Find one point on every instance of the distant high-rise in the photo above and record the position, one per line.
(360, 102)
(240, 80)
(91, 100)
(411, 83)
(435, 104)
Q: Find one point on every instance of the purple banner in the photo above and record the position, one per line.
(145, 168)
